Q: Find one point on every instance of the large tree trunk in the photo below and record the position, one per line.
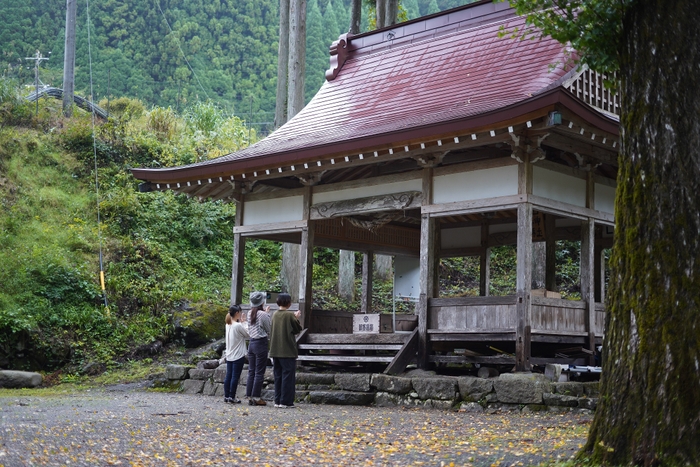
(346, 275)
(384, 266)
(649, 410)
(391, 13)
(355, 16)
(290, 270)
(282, 66)
(381, 6)
(295, 102)
(297, 57)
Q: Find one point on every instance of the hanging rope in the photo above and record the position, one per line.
(94, 152)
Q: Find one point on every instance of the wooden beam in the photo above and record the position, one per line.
(404, 356)
(570, 210)
(494, 360)
(367, 269)
(345, 358)
(277, 228)
(475, 301)
(473, 206)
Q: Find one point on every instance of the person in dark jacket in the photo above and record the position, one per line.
(259, 328)
(283, 351)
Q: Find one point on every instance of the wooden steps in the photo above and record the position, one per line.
(395, 349)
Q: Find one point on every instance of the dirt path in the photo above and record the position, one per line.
(134, 428)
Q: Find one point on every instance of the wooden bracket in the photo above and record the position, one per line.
(311, 178)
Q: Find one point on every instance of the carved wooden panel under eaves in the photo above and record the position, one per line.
(396, 237)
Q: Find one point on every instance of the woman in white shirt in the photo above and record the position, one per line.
(234, 355)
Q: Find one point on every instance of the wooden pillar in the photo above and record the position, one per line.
(587, 278)
(588, 267)
(428, 269)
(598, 273)
(524, 270)
(550, 273)
(306, 263)
(484, 260)
(523, 283)
(367, 270)
(238, 256)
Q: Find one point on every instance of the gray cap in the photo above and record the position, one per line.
(257, 298)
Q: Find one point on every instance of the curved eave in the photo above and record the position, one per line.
(536, 106)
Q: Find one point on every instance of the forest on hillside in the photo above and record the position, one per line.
(173, 53)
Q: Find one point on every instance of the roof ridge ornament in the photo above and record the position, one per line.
(339, 53)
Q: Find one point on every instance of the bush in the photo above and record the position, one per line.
(14, 110)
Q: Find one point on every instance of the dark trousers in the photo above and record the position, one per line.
(257, 362)
(233, 374)
(285, 379)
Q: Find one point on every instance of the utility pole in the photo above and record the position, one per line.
(38, 58)
(69, 59)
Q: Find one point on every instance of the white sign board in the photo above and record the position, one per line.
(365, 324)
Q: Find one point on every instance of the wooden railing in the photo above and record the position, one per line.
(498, 314)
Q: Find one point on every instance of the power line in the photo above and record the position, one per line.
(183, 53)
(94, 151)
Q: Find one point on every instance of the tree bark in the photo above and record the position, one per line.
(295, 102)
(649, 410)
(297, 57)
(355, 16)
(380, 7)
(290, 270)
(282, 66)
(383, 266)
(346, 275)
(391, 13)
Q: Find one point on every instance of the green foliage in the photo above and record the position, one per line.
(13, 109)
(177, 53)
(592, 27)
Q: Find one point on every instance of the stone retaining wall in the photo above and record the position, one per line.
(506, 392)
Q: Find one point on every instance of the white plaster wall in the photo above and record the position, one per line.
(272, 211)
(366, 191)
(605, 198)
(478, 184)
(559, 187)
(462, 237)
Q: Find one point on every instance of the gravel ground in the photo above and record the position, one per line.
(125, 425)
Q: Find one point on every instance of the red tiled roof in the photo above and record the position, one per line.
(405, 83)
